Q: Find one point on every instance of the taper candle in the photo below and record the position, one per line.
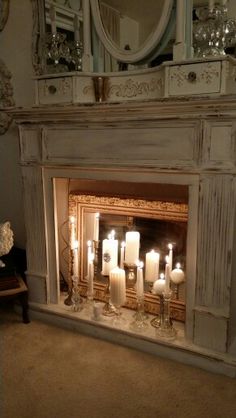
(122, 255)
(170, 262)
(167, 275)
(72, 232)
(96, 227)
(139, 282)
(76, 258)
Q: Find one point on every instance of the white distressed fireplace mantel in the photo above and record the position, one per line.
(189, 142)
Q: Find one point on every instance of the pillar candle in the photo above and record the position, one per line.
(177, 275)
(132, 243)
(96, 227)
(76, 28)
(152, 266)
(52, 14)
(72, 232)
(117, 286)
(159, 285)
(122, 255)
(170, 246)
(109, 255)
(139, 283)
(167, 275)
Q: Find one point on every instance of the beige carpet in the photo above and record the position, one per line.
(48, 372)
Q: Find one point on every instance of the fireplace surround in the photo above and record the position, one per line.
(185, 142)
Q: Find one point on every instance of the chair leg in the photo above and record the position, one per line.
(24, 304)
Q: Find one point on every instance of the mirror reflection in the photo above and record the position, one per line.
(130, 234)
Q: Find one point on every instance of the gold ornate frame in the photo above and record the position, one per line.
(79, 203)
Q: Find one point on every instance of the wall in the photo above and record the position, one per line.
(15, 47)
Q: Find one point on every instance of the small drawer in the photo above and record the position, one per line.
(193, 79)
(58, 90)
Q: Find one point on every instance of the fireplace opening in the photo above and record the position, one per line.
(158, 212)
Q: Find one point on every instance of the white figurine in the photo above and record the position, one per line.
(6, 240)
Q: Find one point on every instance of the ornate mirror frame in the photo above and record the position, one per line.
(168, 211)
(149, 47)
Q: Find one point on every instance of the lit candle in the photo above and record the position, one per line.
(170, 246)
(177, 275)
(122, 255)
(76, 258)
(109, 254)
(76, 28)
(159, 285)
(132, 242)
(152, 266)
(117, 286)
(90, 275)
(89, 252)
(139, 283)
(52, 14)
(211, 4)
(167, 275)
(96, 227)
(72, 232)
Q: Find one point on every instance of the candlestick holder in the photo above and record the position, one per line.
(139, 323)
(95, 261)
(166, 328)
(159, 319)
(68, 300)
(130, 274)
(108, 308)
(77, 301)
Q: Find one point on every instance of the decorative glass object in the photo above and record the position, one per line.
(108, 308)
(213, 32)
(139, 323)
(77, 302)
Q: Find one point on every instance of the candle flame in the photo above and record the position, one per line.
(72, 219)
(139, 264)
(97, 215)
(167, 259)
(89, 243)
(91, 257)
(178, 265)
(162, 276)
(170, 246)
(123, 244)
(113, 234)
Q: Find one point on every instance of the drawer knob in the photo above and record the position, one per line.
(52, 89)
(192, 76)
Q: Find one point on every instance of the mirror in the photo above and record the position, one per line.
(158, 223)
(154, 31)
(130, 33)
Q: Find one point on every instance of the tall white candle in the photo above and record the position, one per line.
(170, 246)
(109, 254)
(167, 275)
(52, 14)
(139, 283)
(89, 252)
(211, 4)
(117, 286)
(76, 28)
(72, 232)
(90, 275)
(96, 227)
(132, 243)
(76, 259)
(122, 255)
(152, 266)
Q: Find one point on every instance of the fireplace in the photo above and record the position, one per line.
(168, 151)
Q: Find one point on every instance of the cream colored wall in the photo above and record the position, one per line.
(15, 51)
